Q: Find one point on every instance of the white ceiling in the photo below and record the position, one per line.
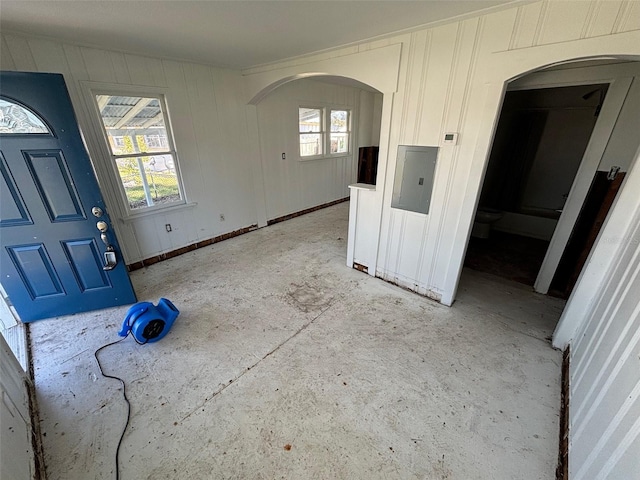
(231, 33)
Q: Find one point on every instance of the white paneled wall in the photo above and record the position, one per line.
(451, 78)
(209, 124)
(294, 184)
(604, 408)
(209, 118)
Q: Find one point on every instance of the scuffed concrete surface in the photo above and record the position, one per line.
(284, 363)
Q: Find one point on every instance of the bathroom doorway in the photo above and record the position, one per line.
(540, 140)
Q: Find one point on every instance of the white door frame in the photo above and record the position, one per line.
(619, 78)
(16, 449)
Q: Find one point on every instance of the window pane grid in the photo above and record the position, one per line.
(149, 181)
(339, 121)
(323, 130)
(310, 144)
(310, 120)
(339, 143)
(141, 149)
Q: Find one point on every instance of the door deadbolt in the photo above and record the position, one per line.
(102, 226)
(97, 212)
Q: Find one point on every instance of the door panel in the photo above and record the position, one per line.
(52, 256)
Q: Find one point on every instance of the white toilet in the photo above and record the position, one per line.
(484, 218)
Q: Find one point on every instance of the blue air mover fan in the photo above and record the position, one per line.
(149, 323)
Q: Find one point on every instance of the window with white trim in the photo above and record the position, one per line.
(311, 131)
(141, 149)
(340, 131)
(321, 134)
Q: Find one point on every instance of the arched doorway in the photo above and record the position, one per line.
(557, 160)
(312, 130)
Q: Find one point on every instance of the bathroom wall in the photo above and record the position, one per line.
(541, 138)
(618, 149)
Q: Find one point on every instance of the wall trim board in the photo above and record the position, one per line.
(596, 146)
(357, 66)
(603, 261)
(189, 248)
(500, 68)
(562, 470)
(306, 210)
(225, 236)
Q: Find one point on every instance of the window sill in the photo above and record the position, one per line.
(157, 211)
(362, 186)
(324, 157)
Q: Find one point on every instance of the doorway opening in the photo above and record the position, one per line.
(539, 145)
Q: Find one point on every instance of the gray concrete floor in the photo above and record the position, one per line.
(284, 363)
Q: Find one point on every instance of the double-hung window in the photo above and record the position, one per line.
(323, 131)
(141, 149)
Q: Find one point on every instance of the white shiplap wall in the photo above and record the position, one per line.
(443, 91)
(209, 121)
(209, 126)
(292, 185)
(604, 402)
(451, 78)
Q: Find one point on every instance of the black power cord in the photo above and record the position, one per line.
(124, 394)
(154, 329)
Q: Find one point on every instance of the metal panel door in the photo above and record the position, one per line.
(52, 257)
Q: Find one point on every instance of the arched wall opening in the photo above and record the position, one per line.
(376, 68)
(557, 125)
(619, 103)
(313, 132)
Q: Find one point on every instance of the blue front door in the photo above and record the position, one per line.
(52, 260)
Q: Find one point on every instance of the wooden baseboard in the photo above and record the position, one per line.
(562, 471)
(305, 211)
(189, 248)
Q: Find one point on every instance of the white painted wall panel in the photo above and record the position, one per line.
(6, 60)
(564, 21)
(629, 17)
(20, 51)
(16, 452)
(604, 18)
(393, 253)
(233, 144)
(293, 184)
(432, 81)
(120, 67)
(624, 141)
(209, 126)
(98, 64)
(74, 62)
(527, 25)
(364, 250)
(413, 229)
(605, 379)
